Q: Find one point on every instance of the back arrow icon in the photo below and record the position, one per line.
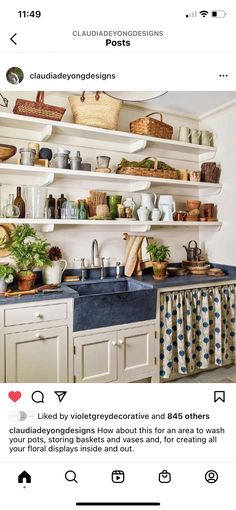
(12, 39)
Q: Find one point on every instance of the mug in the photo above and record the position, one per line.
(180, 215)
(184, 134)
(207, 138)
(195, 135)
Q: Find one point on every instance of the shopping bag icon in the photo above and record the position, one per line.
(164, 476)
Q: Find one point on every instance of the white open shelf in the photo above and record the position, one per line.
(41, 176)
(42, 130)
(48, 225)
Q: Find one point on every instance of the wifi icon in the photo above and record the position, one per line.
(204, 13)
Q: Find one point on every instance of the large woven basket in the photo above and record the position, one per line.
(97, 110)
(38, 108)
(151, 127)
(149, 172)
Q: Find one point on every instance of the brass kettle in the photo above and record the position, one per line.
(192, 250)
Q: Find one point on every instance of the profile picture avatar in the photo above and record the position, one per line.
(14, 75)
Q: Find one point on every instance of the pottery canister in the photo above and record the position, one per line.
(143, 213)
(156, 214)
(53, 274)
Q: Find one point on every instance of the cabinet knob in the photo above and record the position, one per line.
(121, 342)
(37, 335)
(114, 342)
(38, 316)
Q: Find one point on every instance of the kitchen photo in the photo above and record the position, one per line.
(117, 237)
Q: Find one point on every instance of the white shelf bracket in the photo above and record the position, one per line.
(140, 186)
(141, 228)
(46, 133)
(47, 179)
(49, 227)
(136, 146)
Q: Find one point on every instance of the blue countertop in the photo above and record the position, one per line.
(65, 293)
(101, 310)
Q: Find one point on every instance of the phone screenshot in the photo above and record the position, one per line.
(117, 255)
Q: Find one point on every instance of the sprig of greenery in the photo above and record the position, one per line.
(158, 253)
(28, 249)
(7, 273)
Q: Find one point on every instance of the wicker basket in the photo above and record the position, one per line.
(38, 108)
(151, 127)
(149, 172)
(97, 110)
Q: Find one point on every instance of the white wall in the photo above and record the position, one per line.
(76, 241)
(221, 245)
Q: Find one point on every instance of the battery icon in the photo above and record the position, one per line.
(218, 14)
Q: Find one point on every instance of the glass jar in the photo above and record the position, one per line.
(11, 210)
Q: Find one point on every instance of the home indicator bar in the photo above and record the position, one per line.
(119, 504)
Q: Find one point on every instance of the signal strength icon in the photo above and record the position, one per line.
(204, 13)
(192, 15)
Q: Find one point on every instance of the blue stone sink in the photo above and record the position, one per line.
(110, 302)
(108, 287)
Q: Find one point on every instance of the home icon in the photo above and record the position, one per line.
(24, 477)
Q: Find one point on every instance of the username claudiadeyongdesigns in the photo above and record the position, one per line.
(72, 76)
(118, 33)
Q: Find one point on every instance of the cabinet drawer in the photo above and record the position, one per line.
(35, 314)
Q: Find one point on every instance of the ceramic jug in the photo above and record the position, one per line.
(167, 207)
(148, 200)
(53, 274)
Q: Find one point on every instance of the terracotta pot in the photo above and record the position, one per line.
(26, 282)
(160, 270)
(193, 204)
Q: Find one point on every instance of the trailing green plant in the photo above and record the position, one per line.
(28, 249)
(158, 253)
(7, 273)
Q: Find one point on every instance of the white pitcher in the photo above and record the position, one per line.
(53, 274)
(167, 206)
(148, 200)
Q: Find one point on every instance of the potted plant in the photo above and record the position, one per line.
(7, 275)
(158, 255)
(53, 274)
(29, 252)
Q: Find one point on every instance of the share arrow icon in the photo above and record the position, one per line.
(60, 395)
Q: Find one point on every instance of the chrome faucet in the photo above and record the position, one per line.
(94, 253)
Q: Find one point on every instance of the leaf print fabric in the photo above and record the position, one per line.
(197, 329)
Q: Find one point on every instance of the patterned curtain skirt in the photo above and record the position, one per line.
(197, 329)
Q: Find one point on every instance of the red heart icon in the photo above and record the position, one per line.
(14, 395)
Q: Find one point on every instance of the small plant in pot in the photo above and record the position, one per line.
(29, 252)
(53, 274)
(159, 256)
(7, 275)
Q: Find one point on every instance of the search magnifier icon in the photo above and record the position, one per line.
(70, 476)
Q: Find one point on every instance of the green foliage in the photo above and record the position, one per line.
(7, 273)
(158, 253)
(28, 249)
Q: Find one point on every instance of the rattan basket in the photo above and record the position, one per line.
(151, 127)
(149, 172)
(97, 110)
(38, 108)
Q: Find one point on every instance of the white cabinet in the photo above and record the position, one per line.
(135, 352)
(95, 358)
(36, 342)
(38, 356)
(122, 354)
